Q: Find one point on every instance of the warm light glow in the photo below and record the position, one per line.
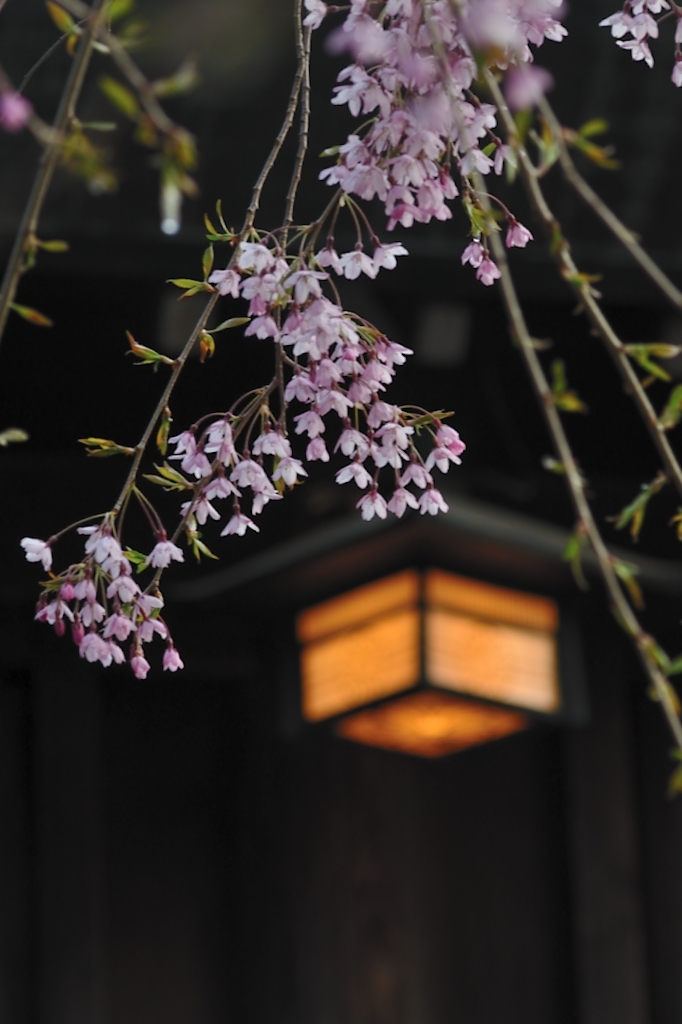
(430, 724)
(358, 606)
(497, 662)
(361, 665)
(380, 640)
(485, 601)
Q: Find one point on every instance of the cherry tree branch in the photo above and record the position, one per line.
(303, 43)
(49, 159)
(617, 599)
(249, 218)
(585, 293)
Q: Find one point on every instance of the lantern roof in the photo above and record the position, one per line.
(472, 537)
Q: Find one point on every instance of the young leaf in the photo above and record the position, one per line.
(122, 98)
(597, 126)
(633, 514)
(169, 479)
(207, 261)
(60, 17)
(163, 431)
(206, 346)
(101, 447)
(187, 282)
(55, 245)
(672, 413)
(119, 9)
(626, 572)
(198, 547)
(234, 321)
(572, 554)
(32, 315)
(564, 399)
(12, 435)
(146, 355)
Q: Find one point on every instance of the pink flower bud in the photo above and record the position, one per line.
(15, 111)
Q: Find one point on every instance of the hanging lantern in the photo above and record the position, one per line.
(430, 662)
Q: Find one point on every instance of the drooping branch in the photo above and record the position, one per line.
(49, 160)
(605, 213)
(585, 293)
(605, 563)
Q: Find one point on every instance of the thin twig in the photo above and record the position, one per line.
(585, 293)
(303, 41)
(179, 363)
(41, 60)
(48, 162)
(605, 214)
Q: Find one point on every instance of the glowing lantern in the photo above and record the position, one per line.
(430, 663)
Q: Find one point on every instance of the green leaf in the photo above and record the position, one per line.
(675, 667)
(597, 126)
(564, 399)
(122, 98)
(207, 261)
(12, 435)
(184, 79)
(147, 355)
(633, 514)
(170, 479)
(32, 315)
(234, 321)
(672, 413)
(572, 554)
(626, 572)
(119, 9)
(55, 245)
(135, 557)
(206, 346)
(187, 282)
(60, 17)
(102, 447)
(163, 431)
(199, 548)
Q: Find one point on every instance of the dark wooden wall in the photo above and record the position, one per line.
(170, 853)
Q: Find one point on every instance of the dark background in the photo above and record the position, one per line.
(175, 850)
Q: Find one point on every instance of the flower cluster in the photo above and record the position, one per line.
(336, 364)
(101, 602)
(411, 80)
(636, 20)
(332, 365)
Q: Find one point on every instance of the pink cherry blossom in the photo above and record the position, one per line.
(172, 660)
(139, 664)
(517, 235)
(401, 500)
(37, 551)
(239, 523)
(228, 281)
(163, 553)
(372, 504)
(488, 272)
(432, 502)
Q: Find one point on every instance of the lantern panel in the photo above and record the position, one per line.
(430, 724)
(359, 605)
(493, 661)
(485, 601)
(361, 665)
